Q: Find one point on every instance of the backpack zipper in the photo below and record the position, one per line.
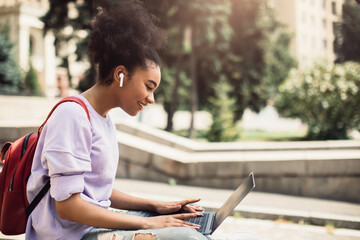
(24, 146)
(11, 182)
(23, 150)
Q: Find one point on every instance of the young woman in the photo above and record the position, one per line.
(80, 157)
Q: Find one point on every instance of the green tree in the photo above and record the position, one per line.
(261, 59)
(278, 60)
(173, 91)
(222, 109)
(31, 83)
(9, 71)
(210, 42)
(326, 97)
(347, 33)
(207, 38)
(199, 35)
(74, 16)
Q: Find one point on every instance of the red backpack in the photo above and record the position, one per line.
(14, 206)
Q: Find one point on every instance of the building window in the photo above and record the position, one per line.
(324, 23)
(31, 46)
(335, 26)
(325, 44)
(304, 40)
(303, 17)
(324, 4)
(313, 43)
(333, 8)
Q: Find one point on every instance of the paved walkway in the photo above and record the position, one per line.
(266, 212)
(272, 230)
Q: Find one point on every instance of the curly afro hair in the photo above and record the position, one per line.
(124, 35)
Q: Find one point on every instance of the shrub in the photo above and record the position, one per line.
(32, 85)
(9, 71)
(326, 97)
(222, 110)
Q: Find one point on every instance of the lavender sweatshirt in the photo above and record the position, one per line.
(79, 157)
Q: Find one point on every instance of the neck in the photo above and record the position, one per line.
(98, 97)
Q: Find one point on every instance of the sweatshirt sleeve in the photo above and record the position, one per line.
(66, 150)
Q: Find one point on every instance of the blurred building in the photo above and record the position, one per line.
(30, 43)
(312, 24)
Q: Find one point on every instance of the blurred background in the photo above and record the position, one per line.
(233, 70)
(269, 86)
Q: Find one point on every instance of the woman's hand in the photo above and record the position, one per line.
(171, 207)
(175, 220)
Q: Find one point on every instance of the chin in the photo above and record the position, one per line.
(131, 111)
(133, 114)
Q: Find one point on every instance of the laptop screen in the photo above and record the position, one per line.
(234, 200)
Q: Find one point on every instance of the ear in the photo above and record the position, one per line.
(118, 70)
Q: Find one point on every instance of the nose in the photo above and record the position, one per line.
(150, 99)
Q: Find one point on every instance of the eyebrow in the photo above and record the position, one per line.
(153, 82)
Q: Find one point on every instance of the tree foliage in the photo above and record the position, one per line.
(199, 35)
(326, 97)
(70, 20)
(261, 59)
(10, 76)
(222, 109)
(237, 39)
(347, 33)
(278, 60)
(31, 82)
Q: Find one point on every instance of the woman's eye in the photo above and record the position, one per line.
(148, 87)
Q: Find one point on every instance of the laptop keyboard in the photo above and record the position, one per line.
(196, 220)
(200, 221)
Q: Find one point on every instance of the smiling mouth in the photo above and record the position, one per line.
(141, 105)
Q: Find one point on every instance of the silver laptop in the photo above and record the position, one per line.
(210, 221)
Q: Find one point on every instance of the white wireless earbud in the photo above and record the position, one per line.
(121, 79)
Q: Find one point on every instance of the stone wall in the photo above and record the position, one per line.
(322, 169)
(326, 169)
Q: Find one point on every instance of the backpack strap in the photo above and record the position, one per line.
(4, 149)
(46, 188)
(37, 199)
(67, 99)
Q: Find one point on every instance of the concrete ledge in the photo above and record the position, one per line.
(10, 134)
(257, 205)
(321, 219)
(331, 174)
(302, 170)
(156, 135)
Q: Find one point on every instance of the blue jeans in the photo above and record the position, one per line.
(175, 233)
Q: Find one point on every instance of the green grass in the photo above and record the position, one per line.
(257, 135)
(253, 135)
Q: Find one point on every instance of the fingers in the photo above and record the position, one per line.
(188, 201)
(175, 220)
(183, 216)
(171, 207)
(191, 225)
(182, 223)
(193, 209)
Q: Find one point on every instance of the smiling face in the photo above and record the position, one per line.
(138, 91)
